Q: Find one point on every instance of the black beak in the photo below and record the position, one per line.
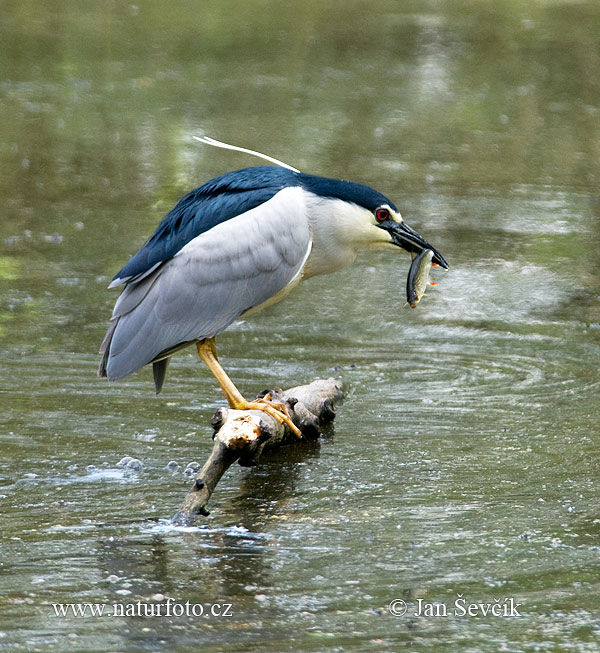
(403, 236)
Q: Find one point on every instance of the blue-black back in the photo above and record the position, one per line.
(229, 195)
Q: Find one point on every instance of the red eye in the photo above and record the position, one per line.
(382, 214)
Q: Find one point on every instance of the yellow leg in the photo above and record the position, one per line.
(208, 353)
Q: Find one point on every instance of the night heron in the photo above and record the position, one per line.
(234, 245)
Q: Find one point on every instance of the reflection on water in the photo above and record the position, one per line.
(464, 458)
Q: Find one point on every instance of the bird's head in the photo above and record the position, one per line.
(399, 234)
(367, 218)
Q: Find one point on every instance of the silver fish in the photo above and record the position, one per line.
(418, 277)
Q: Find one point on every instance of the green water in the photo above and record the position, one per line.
(464, 460)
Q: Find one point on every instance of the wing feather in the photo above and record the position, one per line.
(216, 277)
(216, 201)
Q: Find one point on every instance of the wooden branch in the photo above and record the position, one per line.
(243, 435)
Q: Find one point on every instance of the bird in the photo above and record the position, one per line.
(234, 245)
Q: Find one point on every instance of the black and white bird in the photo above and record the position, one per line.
(236, 244)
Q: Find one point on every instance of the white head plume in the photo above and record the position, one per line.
(211, 141)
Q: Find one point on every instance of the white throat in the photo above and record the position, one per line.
(339, 230)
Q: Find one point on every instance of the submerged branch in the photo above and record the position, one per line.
(243, 435)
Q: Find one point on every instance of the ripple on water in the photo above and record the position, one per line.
(166, 527)
(508, 291)
(496, 346)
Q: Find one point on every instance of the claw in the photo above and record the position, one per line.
(276, 410)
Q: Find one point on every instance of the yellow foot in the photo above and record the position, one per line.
(276, 410)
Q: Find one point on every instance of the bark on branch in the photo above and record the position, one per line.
(243, 435)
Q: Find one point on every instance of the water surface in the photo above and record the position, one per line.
(464, 460)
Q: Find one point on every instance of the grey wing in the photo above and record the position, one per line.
(209, 283)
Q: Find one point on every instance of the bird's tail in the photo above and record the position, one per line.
(159, 365)
(159, 372)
